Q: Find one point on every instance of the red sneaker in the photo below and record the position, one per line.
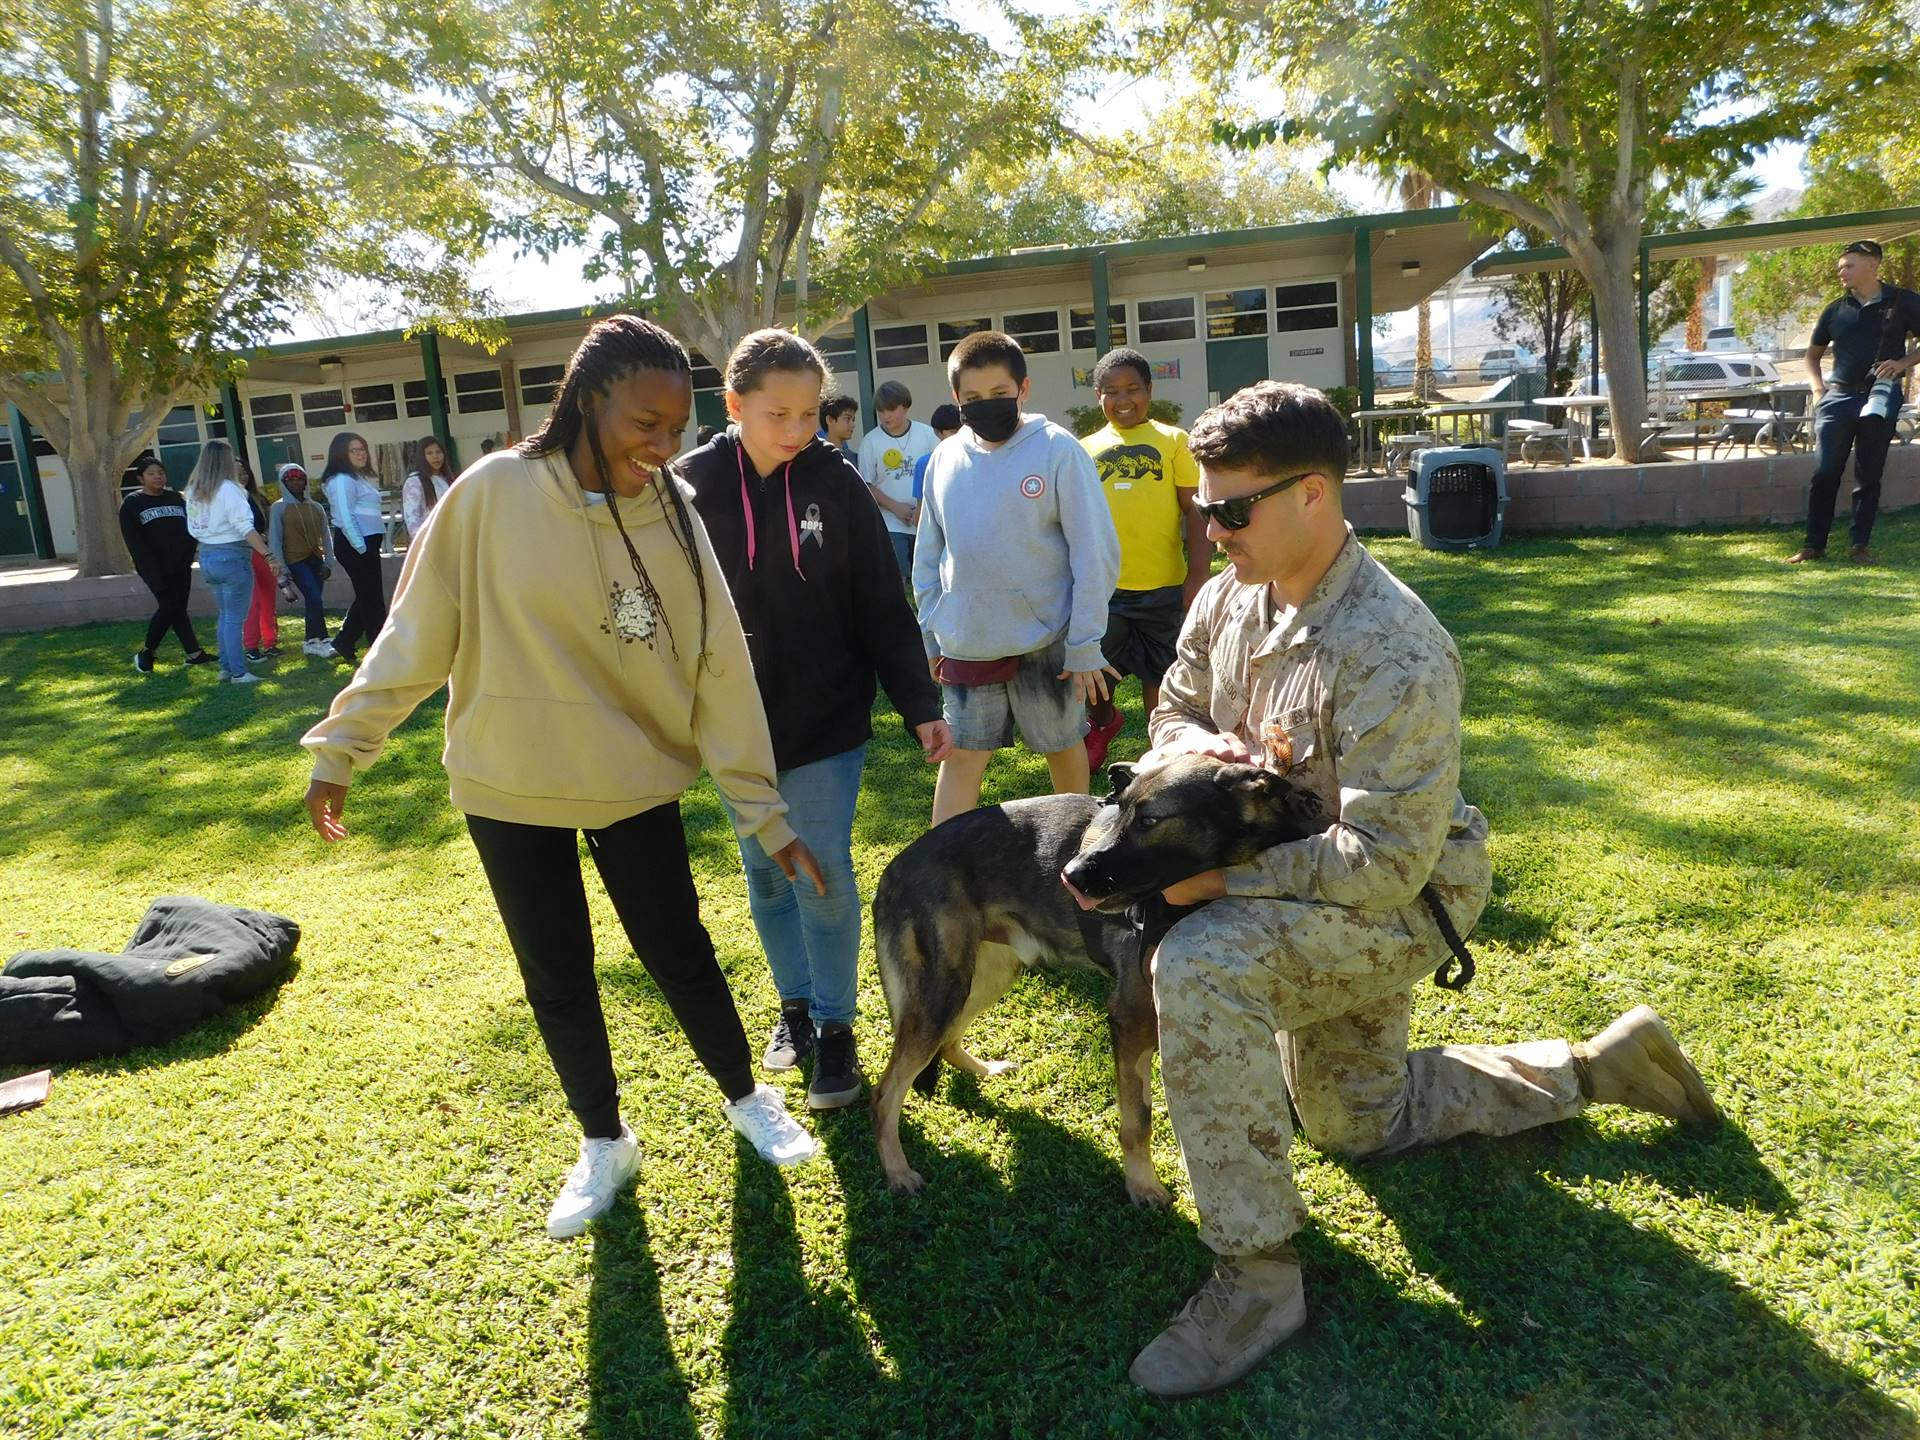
(1099, 737)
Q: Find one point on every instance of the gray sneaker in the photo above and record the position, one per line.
(792, 1038)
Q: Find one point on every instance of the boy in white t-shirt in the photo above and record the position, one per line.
(887, 456)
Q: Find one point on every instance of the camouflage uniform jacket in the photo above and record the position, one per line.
(1355, 695)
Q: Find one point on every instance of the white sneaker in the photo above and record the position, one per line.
(245, 677)
(762, 1117)
(596, 1178)
(317, 647)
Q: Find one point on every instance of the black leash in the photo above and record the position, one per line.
(1461, 955)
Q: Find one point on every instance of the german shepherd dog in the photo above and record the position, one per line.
(963, 908)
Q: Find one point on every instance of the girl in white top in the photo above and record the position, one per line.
(219, 517)
(352, 490)
(424, 487)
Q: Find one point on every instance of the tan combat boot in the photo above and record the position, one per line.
(1250, 1305)
(1636, 1061)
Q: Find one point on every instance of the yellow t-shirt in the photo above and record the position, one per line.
(1142, 469)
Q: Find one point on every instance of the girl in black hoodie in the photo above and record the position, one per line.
(811, 571)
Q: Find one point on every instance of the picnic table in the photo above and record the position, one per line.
(1463, 412)
(1368, 419)
(1578, 418)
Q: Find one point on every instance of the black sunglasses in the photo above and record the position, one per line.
(1237, 513)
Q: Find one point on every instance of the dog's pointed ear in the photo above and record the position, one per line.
(1247, 779)
(1118, 778)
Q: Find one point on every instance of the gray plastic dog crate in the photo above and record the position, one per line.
(1457, 498)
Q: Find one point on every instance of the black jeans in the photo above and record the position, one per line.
(1838, 428)
(306, 574)
(369, 609)
(535, 874)
(170, 593)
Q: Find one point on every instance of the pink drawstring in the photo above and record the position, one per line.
(746, 511)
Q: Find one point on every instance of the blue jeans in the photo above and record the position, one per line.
(903, 553)
(1838, 428)
(306, 574)
(812, 940)
(228, 570)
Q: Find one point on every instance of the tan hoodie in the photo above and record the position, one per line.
(566, 704)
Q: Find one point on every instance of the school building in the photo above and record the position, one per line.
(1211, 312)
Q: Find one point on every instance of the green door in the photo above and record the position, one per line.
(275, 451)
(16, 536)
(710, 408)
(1235, 364)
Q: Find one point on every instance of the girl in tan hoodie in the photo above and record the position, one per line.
(566, 594)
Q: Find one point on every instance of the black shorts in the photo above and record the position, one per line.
(1143, 626)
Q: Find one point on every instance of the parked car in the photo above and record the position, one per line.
(1398, 375)
(1680, 373)
(1507, 360)
(1723, 338)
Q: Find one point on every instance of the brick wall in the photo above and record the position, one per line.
(1764, 488)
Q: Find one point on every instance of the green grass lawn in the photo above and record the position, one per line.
(323, 1215)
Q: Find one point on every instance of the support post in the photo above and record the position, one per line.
(437, 395)
(1102, 303)
(863, 363)
(28, 464)
(1363, 312)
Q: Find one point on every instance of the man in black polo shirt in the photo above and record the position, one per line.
(1867, 328)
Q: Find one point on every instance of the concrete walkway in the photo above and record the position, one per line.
(42, 596)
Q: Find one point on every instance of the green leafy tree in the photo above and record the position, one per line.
(705, 150)
(1698, 205)
(1780, 293)
(174, 176)
(1569, 119)
(1167, 176)
(1541, 310)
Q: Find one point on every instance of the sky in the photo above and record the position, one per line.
(524, 284)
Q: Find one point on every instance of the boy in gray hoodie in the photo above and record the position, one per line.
(1015, 559)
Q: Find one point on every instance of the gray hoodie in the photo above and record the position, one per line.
(1016, 548)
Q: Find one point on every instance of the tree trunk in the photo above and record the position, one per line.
(1697, 316)
(94, 476)
(1423, 352)
(1618, 297)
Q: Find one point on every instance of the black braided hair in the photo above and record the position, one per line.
(613, 349)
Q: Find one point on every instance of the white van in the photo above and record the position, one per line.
(1507, 360)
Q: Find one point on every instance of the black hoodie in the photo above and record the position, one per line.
(823, 626)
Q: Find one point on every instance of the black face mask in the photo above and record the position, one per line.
(992, 420)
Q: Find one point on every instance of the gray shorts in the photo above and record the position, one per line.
(1046, 708)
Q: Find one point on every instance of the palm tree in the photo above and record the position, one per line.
(1700, 205)
(1416, 193)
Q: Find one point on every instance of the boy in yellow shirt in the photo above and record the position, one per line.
(1149, 478)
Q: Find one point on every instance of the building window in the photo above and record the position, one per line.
(418, 405)
(322, 410)
(1236, 312)
(706, 375)
(273, 415)
(539, 382)
(1038, 331)
(895, 347)
(374, 402)
(952, 332)
(838, 350)
(479, 391)
(181, 427)
(1162, 320)
(1307, 307)
(217, 421)
(1081, 322)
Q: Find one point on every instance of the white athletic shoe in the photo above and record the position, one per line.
(596, 1178)
(762, 1117)
(245, 677)
(317, 647)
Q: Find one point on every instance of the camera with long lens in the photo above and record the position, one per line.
(1882, 401)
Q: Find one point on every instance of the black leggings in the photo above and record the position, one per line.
(369, 609)
(535, 874)
(170, 593)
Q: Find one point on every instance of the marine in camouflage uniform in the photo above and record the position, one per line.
(1355, 696)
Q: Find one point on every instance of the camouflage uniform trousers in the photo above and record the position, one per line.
(1258, 996)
